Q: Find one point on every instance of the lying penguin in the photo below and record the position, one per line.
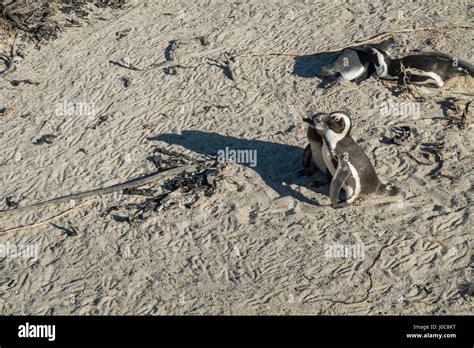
(352, 64)
(422, 68)
(346, 161)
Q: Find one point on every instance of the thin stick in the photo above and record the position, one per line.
(53, 218)
(356, 43)
(134, 183)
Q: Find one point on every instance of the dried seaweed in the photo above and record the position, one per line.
(5, 110)
(435, 149)
(171, 51)
(45, 139)
(10, 203)
(121, 63)
(182, 190)
(457, 111)
(287, 130)
(98, 121)
(70, 231)
(35, 18)
(402, 135)
(122, 33)
(16, 83)
(125, 81)
(164, 159)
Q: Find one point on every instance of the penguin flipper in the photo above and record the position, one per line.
(419, 80)
(331, 81)
(450, 57)
(308, 163)
(362, 77)
(340, 177)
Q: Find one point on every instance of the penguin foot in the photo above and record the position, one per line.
(340, 205)
(330, 81)
(325, 85)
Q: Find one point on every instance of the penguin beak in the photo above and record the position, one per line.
(317, 121)
(318, 118)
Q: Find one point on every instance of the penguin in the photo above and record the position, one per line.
(456, 60)
(362, 179)
(423, 68)
(352, 64)
(343, 172)
(312, 155)
(308, 163)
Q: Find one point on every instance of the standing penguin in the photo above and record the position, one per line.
(423, 68)
(340, 150)
(312, 155)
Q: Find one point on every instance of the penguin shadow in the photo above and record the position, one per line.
(309, 66)
(279, 165)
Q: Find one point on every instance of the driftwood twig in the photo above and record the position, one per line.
(44, 222)
(134, 183)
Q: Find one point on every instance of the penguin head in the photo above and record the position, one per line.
(317, 120)
(339, 123)
(385, 46)
(379, 58)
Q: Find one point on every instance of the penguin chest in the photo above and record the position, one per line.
(350, 185)
(317, 155)
(353, 188)
(327, 158)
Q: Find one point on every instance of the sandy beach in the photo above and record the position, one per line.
(111, 91)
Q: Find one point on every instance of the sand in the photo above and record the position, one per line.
(267, 241)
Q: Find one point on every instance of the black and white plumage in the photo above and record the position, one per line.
(312, 156)
(339, 146)
(424, 68)
(351, 64)
(343, 172)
